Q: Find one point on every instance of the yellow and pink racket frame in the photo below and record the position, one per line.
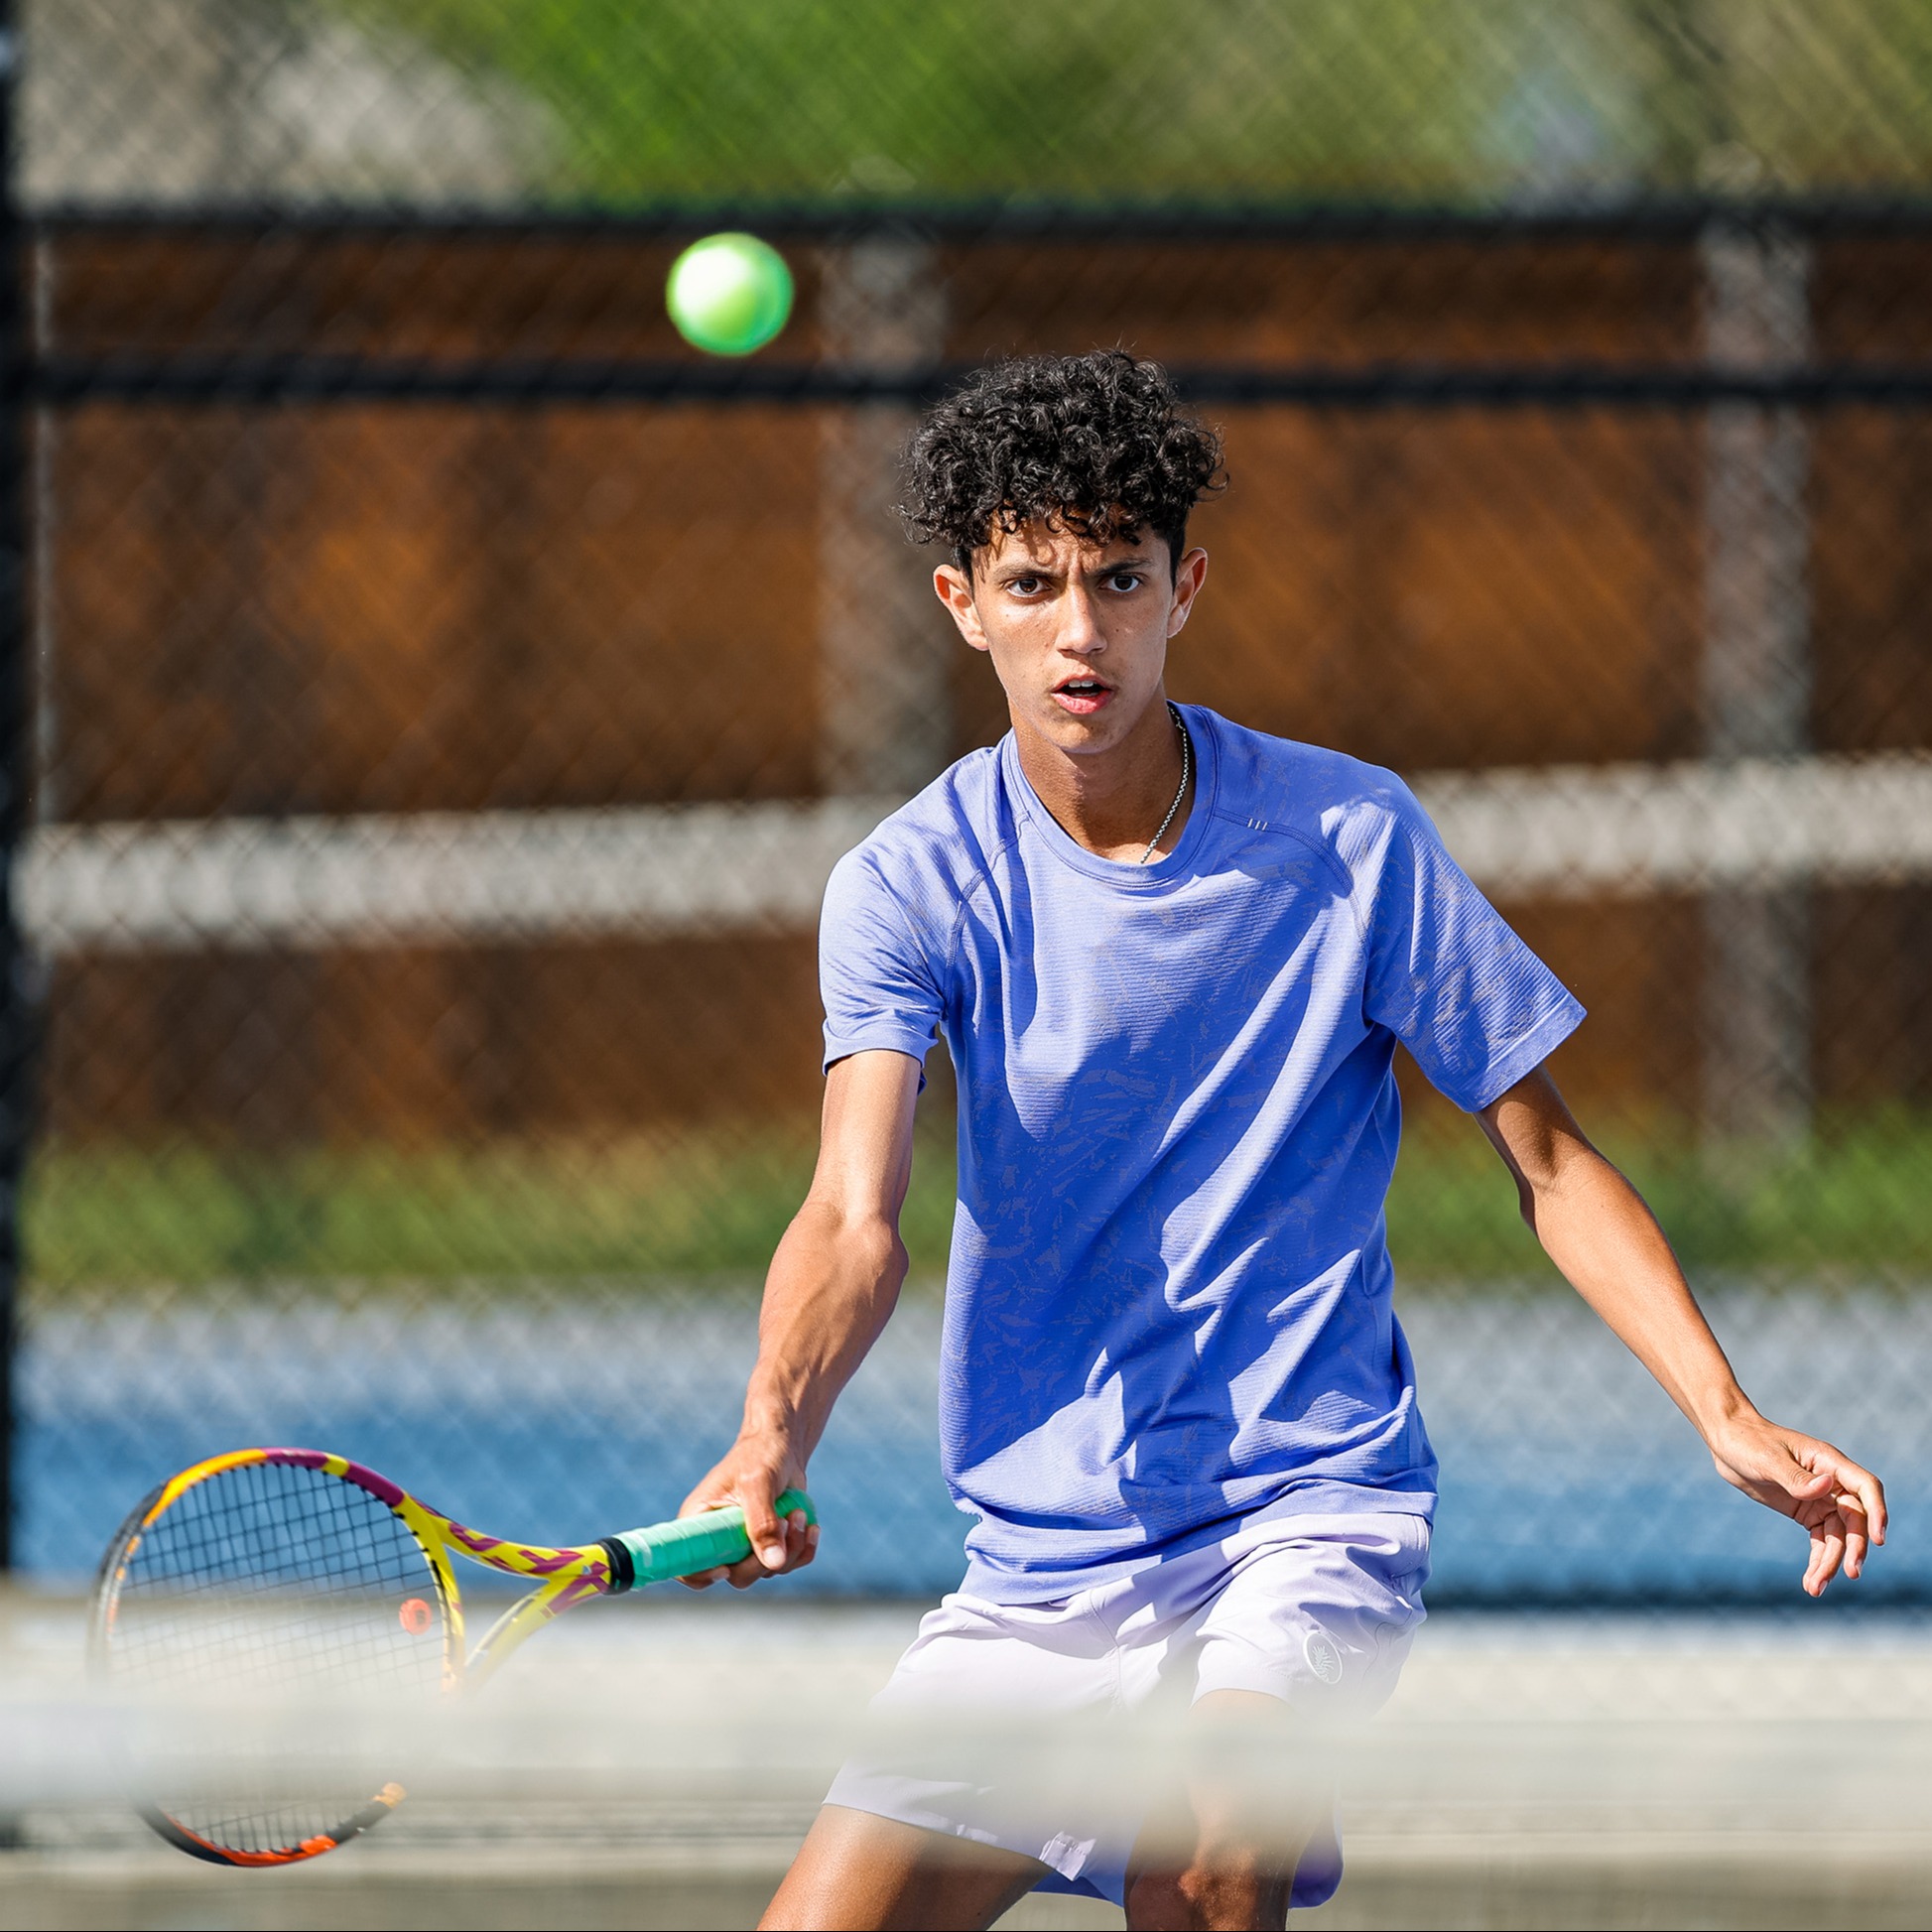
(563, 1577)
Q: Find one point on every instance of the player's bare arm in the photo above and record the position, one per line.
(833, 1283)
(1597, 1229)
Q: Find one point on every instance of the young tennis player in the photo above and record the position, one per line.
(1171, 959)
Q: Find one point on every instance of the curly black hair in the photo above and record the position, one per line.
(1095, 444)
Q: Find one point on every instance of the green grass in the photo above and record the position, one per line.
(1405, 99)
(1857, 1201)
(697, 1206)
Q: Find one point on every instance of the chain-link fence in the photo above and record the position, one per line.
(449, 692)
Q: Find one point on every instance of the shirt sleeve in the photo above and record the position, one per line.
(877, 984)
(1449, 978)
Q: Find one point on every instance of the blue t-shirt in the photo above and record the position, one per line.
(1169, 1300)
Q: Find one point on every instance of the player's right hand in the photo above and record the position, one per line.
(757, 1468)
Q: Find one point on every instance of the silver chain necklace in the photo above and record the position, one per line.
(1187, 767)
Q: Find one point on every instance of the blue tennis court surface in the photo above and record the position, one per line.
(558, 1412)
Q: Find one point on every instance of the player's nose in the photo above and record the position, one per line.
(1078, 630)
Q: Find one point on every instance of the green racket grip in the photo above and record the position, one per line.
(710, 1540)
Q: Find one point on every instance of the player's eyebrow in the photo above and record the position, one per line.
(1008, 573)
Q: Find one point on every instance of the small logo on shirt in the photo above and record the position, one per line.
(1324, 1659)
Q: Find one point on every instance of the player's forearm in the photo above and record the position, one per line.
(1597, 1229)
(832, 1286)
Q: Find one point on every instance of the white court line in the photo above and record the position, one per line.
(1582, 832)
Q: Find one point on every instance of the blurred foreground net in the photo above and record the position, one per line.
(640, 1765)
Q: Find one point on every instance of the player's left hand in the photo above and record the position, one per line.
(1841, 1505)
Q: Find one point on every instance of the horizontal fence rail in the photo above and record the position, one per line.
(1655, 217)
(653, 871)
(699, 870)
(229, 379)
(1630, 830)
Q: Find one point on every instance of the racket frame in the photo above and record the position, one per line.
(564, 1578)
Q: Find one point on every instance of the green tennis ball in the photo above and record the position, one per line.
(729, 294)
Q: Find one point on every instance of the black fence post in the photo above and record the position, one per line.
(17, 968)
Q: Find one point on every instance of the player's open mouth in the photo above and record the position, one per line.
(1082, 696)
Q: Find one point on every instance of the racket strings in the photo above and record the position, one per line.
(276, 1574)
(269, 1583)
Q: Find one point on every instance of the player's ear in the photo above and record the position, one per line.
(1189, 576)
(953, 589)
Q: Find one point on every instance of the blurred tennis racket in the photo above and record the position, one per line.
(289, 1573)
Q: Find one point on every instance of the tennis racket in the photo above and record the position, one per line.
(288, 1572)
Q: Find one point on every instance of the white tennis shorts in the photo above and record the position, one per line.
(1316, 1610)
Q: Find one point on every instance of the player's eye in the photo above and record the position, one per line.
(1123, 581)
(1023, 587)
